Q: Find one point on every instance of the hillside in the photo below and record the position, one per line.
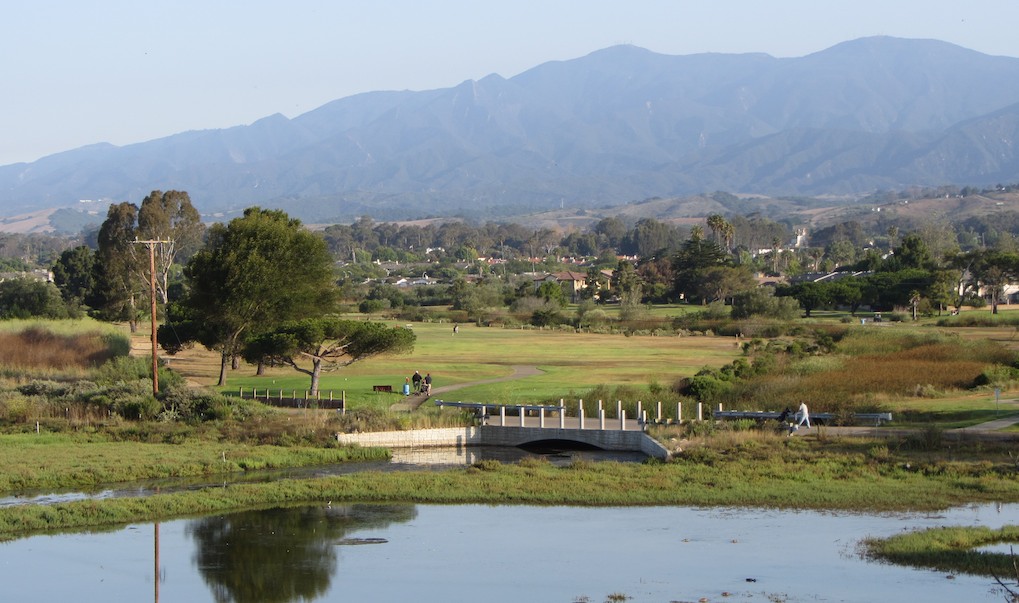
(617, 126)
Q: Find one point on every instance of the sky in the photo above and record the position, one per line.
(75, 73)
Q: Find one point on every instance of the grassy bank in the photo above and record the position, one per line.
(36, 461)
(790, 478)
(950, 549)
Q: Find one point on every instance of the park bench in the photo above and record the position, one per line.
(823, 418)
(382, 388)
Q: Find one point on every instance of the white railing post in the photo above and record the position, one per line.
(521, 415)
(622, 420)
(658, 412)
(580, 413)
(679, 413)
(601, 419)
(700, 411)
(502, 416)
(541, 417)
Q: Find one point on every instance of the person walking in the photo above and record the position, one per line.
(428, 384)
(804, 415)
(416, 379)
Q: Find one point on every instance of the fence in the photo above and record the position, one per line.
(291, 398)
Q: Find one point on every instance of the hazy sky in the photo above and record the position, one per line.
(77, 72)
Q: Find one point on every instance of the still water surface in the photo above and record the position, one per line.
(491, 553)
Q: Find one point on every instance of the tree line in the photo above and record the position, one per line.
(253, 260)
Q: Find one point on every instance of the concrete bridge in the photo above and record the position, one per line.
(522, 425)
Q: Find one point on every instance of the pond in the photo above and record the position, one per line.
(427, 553)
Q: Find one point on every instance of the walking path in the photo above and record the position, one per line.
(413, 401)
(989, 430)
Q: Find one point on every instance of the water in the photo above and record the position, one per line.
(426, 553)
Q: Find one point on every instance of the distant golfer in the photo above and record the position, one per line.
(804, 415)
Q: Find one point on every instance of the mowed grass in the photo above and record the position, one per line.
(569, 362)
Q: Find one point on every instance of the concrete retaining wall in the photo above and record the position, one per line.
(507, 436)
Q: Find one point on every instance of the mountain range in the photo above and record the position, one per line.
(619, 125)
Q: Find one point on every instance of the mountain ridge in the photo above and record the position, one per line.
(617, 125)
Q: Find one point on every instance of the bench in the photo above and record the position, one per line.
(383, 388)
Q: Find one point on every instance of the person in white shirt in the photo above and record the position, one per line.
(804, 415)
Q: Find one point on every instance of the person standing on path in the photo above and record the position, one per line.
(804, 415)
(428, 384)
(417, 381)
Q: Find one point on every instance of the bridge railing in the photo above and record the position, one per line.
(496, 414)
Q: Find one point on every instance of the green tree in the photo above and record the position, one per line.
(118, 266)
(254, 274)
(169, 217)
(74, 274)
(312, 346)
(552, 292)
(763, 302)
(691, 264)
(811, 295)
(27, 298)
(911, 253)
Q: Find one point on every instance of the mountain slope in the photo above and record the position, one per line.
(618, 125)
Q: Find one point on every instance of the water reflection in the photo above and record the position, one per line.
(496, 554)
(281, 555)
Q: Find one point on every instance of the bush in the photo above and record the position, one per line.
(706, 388)
(125, 369)
(138, 408)
(194, 406)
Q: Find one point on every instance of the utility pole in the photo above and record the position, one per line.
(151, 244)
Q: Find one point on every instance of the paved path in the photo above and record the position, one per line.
(413, 401)
(989, 430)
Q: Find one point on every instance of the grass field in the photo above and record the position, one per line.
(570, 364)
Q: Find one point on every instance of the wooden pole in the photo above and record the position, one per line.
(151, 244)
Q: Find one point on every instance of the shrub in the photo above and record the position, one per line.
(139, 408)
(194, 405)
(706, 388)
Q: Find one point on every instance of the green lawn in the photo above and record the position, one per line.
(570, 363)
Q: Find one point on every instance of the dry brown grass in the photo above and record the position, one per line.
(37, 348)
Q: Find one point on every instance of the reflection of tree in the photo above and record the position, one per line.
(280, 555)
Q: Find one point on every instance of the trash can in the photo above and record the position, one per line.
(406, 387)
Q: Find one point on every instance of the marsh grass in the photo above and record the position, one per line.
(36, 461)
(949, 549)
(795, 477)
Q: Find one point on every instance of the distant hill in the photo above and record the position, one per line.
(619, 125)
